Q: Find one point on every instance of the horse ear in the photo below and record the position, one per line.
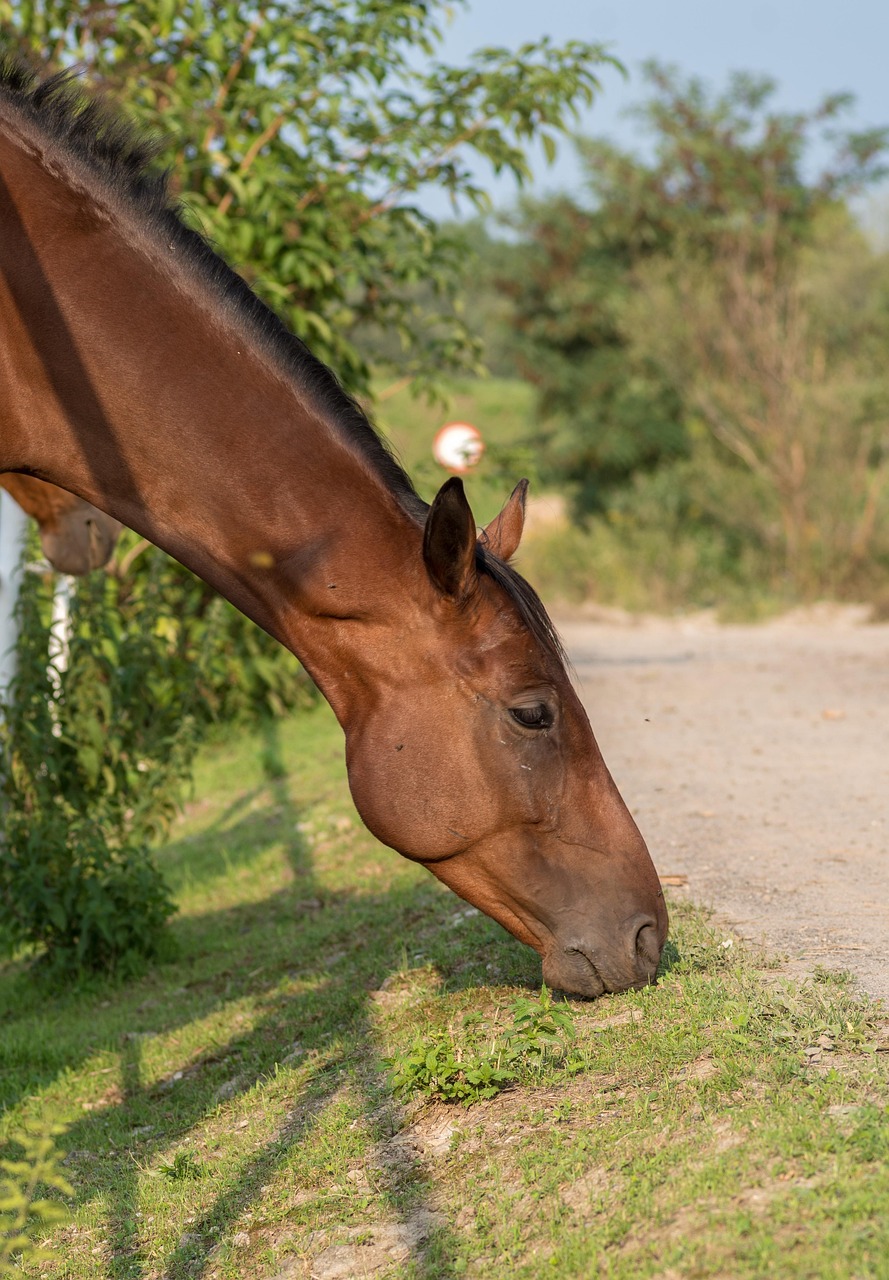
(449, 540)
(504, 533)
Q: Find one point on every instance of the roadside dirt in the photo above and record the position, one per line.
(756, 762)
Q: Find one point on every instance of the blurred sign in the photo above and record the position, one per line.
(458, 446)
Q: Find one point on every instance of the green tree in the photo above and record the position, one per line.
(732, 309)
(605, 412)
(685, 298)
(301, 133)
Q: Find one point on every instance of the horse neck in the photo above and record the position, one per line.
(123, 382)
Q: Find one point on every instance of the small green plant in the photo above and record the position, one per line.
(541, 1035)
(440, 1070)
(23, 1211)
(183, 1168)
(541, 1028)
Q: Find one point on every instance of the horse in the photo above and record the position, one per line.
(140, 372)
(75, 536)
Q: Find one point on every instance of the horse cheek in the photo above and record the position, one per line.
(417, 800)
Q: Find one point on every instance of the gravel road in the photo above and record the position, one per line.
(756, 762)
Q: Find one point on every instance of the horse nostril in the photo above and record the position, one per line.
(648, 951)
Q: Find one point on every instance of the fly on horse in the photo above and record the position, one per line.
(140, 372)
(76, 538)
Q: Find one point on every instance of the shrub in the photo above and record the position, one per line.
(99, 747)
(96, 756)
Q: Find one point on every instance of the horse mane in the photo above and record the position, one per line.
(111, 149)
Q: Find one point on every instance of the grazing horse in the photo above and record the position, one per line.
(76, 538)
(140, 372)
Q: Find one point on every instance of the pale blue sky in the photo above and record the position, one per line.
(811, 47)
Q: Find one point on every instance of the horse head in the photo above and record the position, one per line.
(475, 757)
(76, 537)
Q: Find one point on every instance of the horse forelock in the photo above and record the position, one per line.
(528, 604)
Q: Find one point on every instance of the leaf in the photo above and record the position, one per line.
(550, 148)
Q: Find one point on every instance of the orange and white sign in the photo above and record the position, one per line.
(458, 446)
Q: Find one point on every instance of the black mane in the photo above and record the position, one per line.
(124, 162)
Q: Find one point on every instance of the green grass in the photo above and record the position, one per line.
(230, 1113)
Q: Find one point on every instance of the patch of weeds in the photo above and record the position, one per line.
(442, 1070)
(705, 955)
(840, 978)
(824, 1013)
(694, 945)
(438, 1067)
(184, 1168)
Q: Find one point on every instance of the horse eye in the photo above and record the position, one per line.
(537, 717)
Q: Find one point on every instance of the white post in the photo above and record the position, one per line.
(59, 630)
(13, 523)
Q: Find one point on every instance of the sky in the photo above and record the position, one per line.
(810, 47)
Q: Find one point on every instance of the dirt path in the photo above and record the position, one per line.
(756, 762)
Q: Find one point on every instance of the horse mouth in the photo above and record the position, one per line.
(572, 971)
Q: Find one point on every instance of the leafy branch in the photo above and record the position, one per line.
(25, 1212)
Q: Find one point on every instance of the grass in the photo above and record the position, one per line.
(231, 1113)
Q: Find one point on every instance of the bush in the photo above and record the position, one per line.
(96, 756)
(685, 536)
(237, 671)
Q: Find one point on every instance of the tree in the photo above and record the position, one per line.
(732, 311)
(604, 411)
(686, 298)
(301, 133)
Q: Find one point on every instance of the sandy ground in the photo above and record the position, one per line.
(756, 762)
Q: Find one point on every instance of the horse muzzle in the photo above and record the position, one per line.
(586, 968)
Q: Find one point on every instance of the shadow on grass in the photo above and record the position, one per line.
(190, 1101)
(336, 947)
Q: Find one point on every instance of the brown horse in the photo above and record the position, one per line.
(75, 536)
(140, 372)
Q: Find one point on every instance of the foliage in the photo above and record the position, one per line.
(604, 412)
(96, 751)
(733, 311)
(483, 260)
(99, 747)
(437, 1067)
(302, 134)
(721, 289)
(23, 1211)
(238, 672)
